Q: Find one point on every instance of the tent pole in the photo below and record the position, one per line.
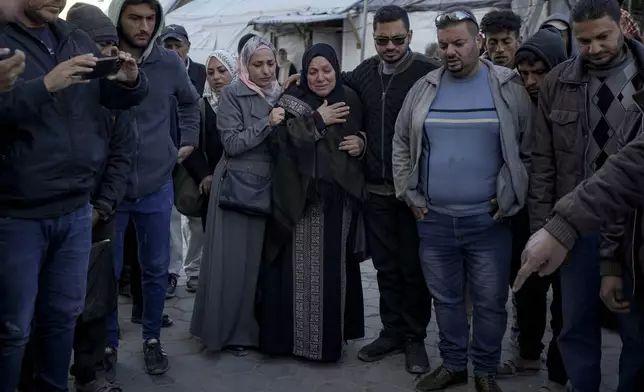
(365, 13)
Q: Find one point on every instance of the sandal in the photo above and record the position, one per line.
(518, 367)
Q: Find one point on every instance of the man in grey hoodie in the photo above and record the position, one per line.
(149, 197)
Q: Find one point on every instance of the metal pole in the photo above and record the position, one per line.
(365, 13)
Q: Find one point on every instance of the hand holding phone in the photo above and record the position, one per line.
(104, 67)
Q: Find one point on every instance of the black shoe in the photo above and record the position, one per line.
(172, 287)
(486, 384)
(441, 379)
(110, 357)
(416, 360)
(380, 348)
(98, 385)
(156, 360)
(192, 284)
(238, 351)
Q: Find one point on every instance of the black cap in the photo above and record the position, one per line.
(175, 32)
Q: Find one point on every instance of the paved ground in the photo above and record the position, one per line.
(194, 370)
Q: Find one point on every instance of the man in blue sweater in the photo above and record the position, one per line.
(149, 197)
(459, 156)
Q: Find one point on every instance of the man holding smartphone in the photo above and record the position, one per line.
(51, 148)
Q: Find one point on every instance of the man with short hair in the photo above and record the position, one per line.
(405, 306)
(175, 37)
(577, 130)
(149, 197)
(502, 32)
(534, 59)
(460, 153)
(52, 145)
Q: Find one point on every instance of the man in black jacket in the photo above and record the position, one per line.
(52, 145)
(382, 82)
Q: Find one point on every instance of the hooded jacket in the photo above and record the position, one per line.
(171, 93)
(52, 145)
(111, 182)
(548, 46)
(572, 48)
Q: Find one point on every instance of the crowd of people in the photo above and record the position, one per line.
(460, 173)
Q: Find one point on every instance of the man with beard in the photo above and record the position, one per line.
(149, 197)
(586, 107)
(534, 59)
(460, 153)
(502, 32)
(382, 82)
(53, 144)
(405, 305)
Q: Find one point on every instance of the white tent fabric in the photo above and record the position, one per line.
(220, 23)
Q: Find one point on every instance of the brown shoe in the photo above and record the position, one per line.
(486, 384)
(440, 379)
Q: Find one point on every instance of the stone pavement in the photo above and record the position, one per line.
(194, 370)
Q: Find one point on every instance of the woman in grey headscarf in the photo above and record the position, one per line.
(223, 316)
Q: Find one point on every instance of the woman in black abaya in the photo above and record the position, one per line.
(310, 292)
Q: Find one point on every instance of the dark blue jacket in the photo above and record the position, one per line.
(197, 73)
(111, 182)
(53, 145)
(170, 90)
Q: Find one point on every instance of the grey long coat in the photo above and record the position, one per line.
(224, 306)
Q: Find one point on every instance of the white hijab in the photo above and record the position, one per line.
(229, 61)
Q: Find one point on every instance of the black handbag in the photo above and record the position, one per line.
(245, 192)
(188, 199)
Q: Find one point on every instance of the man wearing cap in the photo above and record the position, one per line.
(560, 24)
(175, 37)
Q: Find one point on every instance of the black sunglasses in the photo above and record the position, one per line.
(456, 16)
(384, 41)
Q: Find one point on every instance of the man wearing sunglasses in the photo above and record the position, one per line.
(459, 162)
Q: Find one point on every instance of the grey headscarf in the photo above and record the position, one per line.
(229, 61)
(273, 91)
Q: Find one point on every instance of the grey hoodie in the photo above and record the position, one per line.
(171, 92)
(572, 48)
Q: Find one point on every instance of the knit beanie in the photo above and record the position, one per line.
(93, 21)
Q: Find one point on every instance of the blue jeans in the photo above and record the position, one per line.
(151, 216)
(631, 330)
(580, 340)
(478, 249)
(43, 274)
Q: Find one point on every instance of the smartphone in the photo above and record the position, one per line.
(104, 67)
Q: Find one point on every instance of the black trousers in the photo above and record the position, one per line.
(90, 337)
(532, 306)
(392, 236)
(131, 273)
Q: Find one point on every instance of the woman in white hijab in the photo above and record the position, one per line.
(223, 315)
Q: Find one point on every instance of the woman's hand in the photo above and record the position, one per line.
(290, 80)
(353, 145)
(206, 184)
(333, 114)
(276, 116)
